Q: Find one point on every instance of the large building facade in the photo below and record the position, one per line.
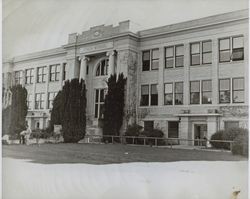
(188, 79)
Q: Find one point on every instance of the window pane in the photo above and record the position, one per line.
(155, 64)
(168, 100)
(238, 54)
(238, 96)
(154, 99)
(178, 99)
(96, 110)
(146, 55)
(154, 89)
(179, 50)
(195, 86)
(96, 95)
(224, 96)
(207, 98)
(195, 59)
(155, 54)
(238, 84)
(224, 56)
(169, 62)
(179, 87)
(101, 111)
(146, 65)
(179, 61)
(102, 95)
(207, 58)
(206, 46)
(238, 42)
(195, 98)
(144, 100)
(168, 88)
(207, 85)
(224, 44)
(195, 48)
(145, 90)
(173, 129)
(224, 84)
(169, 51)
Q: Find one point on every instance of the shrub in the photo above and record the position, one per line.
(154, 133)
(232, 134)
(133, 130)
(240, 145)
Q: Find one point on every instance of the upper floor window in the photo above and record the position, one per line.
(64, 71)
(41, 74)
(174, 56)
(201, 92)
(39, 101)
(29, 101)
(150, 60)
(238, 90)
(102, 68)
(201, 52)
(54, 72)
(51, 97)
(231, 49)
(149, 95)
(18, 77)
(173, 93)
(206, 92)
(224, 91)
(29, 76)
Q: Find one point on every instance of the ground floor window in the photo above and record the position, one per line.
(173, 129)
(231, 124)
(148, 125)
(99, 102)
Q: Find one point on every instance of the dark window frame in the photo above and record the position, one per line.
(102, 68)
(178, 93)
(195, 92)
(207, 52)
(39, 104)
(206, 91)
(191, 54)
(42, 75)
(153, 95)
(169, 94)
(178, 56)
(54, 74)
(145, 66)
(29, 76)
(145, 96)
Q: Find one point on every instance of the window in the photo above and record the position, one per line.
(231, 49)
(173, 129)
(168, 94)
(102, 68)
(18, 77)
(195, 54)
(150, 60)
(29, 101)
(206, 52)
(195, 92)
(174, 56)
(178, 93)
(54, 73)
(224, 90)
(238, 90)
(99, 102)
(64, 71)
(144, 95)
(173, 95)
(29, 76)
(39, 101)
(201, 52)
(41, 74)
(231, 124)
(154, 95)
(51, 97)
(148, 125)
(206, 92)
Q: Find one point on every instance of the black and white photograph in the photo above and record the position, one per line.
(125, 99)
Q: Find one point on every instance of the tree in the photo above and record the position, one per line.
(114, 105)
(14, 115)
(69, 110)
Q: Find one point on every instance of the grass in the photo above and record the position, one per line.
(108, 153)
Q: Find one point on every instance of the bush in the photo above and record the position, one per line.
(154, 133)
(232, 134)
(240, 145)
(133, 130)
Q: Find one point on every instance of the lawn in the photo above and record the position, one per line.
(108, 153)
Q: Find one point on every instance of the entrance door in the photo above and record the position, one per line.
(200, 132)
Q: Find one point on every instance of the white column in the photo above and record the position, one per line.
(83, 68)
(111, 69)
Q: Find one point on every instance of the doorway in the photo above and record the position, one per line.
(200, 132)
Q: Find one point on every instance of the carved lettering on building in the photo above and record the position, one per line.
(97, 47)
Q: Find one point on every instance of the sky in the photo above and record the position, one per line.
(35, 25)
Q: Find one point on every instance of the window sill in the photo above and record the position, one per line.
(232, 62)
(200, 65)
